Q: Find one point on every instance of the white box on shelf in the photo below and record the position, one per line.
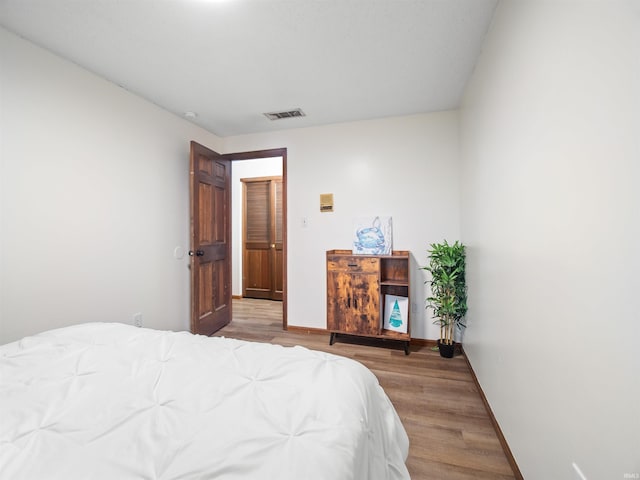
(396, 313)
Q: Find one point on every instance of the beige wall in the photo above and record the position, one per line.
(550, 213)
(94, 199)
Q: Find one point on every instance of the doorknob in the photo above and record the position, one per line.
(197, 253)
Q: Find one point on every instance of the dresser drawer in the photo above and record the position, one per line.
(353, 264)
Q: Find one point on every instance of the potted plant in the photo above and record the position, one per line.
(448, 298)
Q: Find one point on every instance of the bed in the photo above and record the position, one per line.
(111, 401)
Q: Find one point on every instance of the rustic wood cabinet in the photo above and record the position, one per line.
(357, 286)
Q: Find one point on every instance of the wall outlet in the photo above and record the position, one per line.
(137, 319)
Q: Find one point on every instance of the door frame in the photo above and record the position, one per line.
(273, 152)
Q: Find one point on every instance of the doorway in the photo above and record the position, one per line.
(262, 158)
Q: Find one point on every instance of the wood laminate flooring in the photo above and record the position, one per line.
(451, 435)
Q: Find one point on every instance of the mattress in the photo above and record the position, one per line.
(111, 401)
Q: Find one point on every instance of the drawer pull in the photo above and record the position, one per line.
(352, 264)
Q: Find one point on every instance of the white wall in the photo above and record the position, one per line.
(94, 199)
(263, 167)
(550, 132)
(403, 167)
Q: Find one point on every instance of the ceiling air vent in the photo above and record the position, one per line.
(288, 114)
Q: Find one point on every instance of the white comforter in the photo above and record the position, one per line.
(110, 401)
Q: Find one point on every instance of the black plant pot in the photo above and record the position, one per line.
(446, 351)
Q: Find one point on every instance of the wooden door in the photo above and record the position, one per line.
(210, 191)
(262, 259)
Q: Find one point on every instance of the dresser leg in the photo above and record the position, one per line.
(332, 338)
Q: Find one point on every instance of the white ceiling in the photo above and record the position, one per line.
(232, 60)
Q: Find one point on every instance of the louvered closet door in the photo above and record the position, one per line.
(262, 238)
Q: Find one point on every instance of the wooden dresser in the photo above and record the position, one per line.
(357, 286)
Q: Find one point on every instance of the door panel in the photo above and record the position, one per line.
(205, 297)
(205, 201)
(257, 212)
(221, 209)
(210, 242)
(219, 286)
(257, 278)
